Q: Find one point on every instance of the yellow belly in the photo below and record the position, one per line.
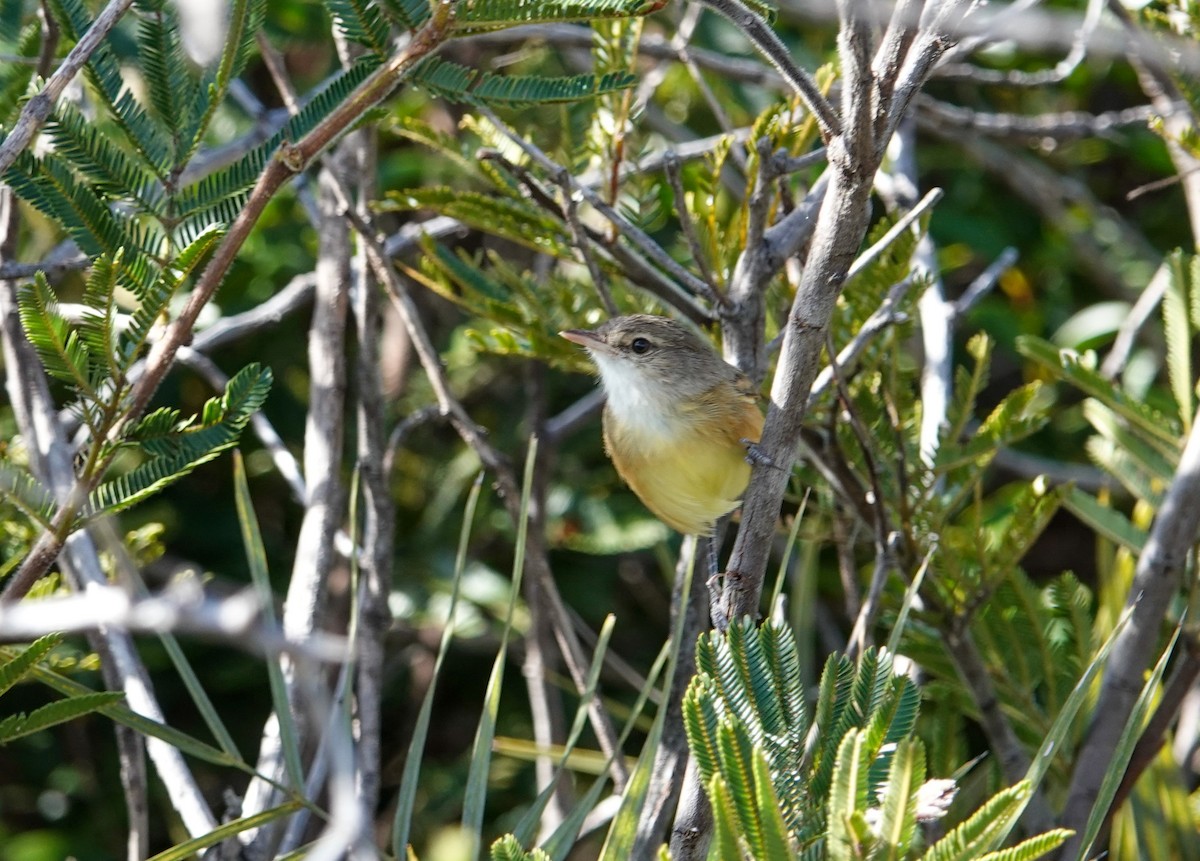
(695, 477)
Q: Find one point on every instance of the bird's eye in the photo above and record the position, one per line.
(639, 345)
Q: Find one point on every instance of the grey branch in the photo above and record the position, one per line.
(1065, 126)
(37, 109)
(1156, 581)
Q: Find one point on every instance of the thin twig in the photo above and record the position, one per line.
(671, 166)
(1060, 126)
(37, 109)
(769, 44)
(583, 246)
(1118, 355)
(636, 236)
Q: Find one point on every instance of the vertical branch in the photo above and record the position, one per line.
(545, 702)
(840, 227)
(379, 514)
(937, 315)
(1156, 581)
(325, 503)
(667, 783)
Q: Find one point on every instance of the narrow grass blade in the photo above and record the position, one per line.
(1053, 742)
(525, 828)
(481, 754)
(910, 597)
(562, 841)
(416, 747)
(787, 551)
(256, 559)
(190, 848)
(199, 696)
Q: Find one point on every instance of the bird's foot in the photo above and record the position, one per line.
(756, 455)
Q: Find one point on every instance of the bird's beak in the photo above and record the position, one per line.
(586, 338)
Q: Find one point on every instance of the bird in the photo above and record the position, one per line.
(678, 420)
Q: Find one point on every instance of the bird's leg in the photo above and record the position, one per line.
(716, 593)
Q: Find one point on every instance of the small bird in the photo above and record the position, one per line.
(678, 421)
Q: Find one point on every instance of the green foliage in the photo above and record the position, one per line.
(22, 724)
(452, 81)
(844, 784)
(483, 15)
(20, 666)
(507, 848)
(177, 446)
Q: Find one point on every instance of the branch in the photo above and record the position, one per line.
(1065, 126)
(1156, 582)
(37, 109)
(840, 227)
(769, 45)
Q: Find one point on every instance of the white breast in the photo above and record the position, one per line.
(635, 401)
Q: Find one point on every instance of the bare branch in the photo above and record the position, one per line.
(37, 109)
(1156, 581)
(760, 33)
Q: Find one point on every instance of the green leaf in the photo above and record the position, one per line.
(1034, 847)
(21, 665)
(192, 848)
(847, 798)
(1109, 522)
(27, 493)
(176, 455)
(455, 82)
(725, 822)
(984, 827)
(360, 21)
(495, 14)
(475, 791)
(1017, 416)
(260, 575)
(1072, 368)
(21, 724)
(124, 715)
(1131, 733)
(64, 354)
(407, 795)
(1178, 334)
(898, 799)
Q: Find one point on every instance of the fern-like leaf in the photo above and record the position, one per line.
(144, 134)
(409, 14)
(63, 353)
(21, 724)
(1034, 847)
(360, 21)
(174, 456)
(492, 14)
(27, 494)
(976, 835)
(17, 668)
